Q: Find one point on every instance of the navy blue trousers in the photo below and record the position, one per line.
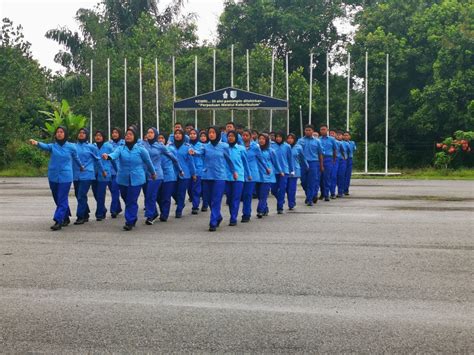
(60, 191)
(130, 195)
(164, 198)
(214, 190)
(234, 190)
(247, 195)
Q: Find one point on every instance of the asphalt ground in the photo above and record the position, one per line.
(388, 269)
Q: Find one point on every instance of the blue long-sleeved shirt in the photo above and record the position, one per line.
(215, 158)
(329, 145)
(298, 159)
(185, 160)
(114, 144)
(272, 163)
(238, 155)
(63, 157)
(284, 156)
(311, 148)
(198, 162)
(346, 148)
(131, 162)
(224, 138)
(170, 173)
(89, 155)
(107, 165)
(157, 151)
(353, 148)
(255, 161)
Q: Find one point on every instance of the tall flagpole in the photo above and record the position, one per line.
(366, 112)
(173, 64)
(141, 97)
(287, 98)
(157, 96)
(214, 84)
(327, 89)
(348, 90)
(271, 88)
(301, 122)
(91, 88)
(108, 96)
(386, 116)
(125, 92)
(310, 85)
(232, 75)
(195, 89)
(248, 86)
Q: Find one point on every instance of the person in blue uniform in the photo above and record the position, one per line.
(104, 179)
(335, 166)
(131, 176)
(342, 164)
(272, 169)
(234, 188)
(188, 170)
(352, 149)
(115, 205)
(195, 185)
(329, 146)
(230, 126)
(214, 173)
(177, 125)
(203, 140)
(313, 153)
(156, 150)
(285, 160)
(257, 167)
(299, 163)
(83, 179)
(60, 174)
(170, 177)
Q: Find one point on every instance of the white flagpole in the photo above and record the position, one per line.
(386, 116)
(91, 88)
(232, 75)
(301, 122)
(214, 84)
(173, 64)
(327, 89)
(157, 96)
(248, 86)
(195, 88)
(108, 96)
(348, 89)
(141, 97)
(125, 91)
(310, 85)
(271, 88)
(366, 112)
(287, 98)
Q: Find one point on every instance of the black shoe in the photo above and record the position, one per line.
(245, 220)
(204, 209)
(114, 214)
(291, 208)
(98, 219)
(194, 211)
(315, 200)
(333, 197)
(280, 211)
(178, 215)
(339, 196)
(321, 197)
(127, 227)
(66, 222)
(265, 213)
(259, 215)
(219, 221)
(326, 199)
(212, 229)
(57, 226)
(149, 221)
(79, 221)
(232, 224)
(162, 219)
(346, 193)
(309, 204)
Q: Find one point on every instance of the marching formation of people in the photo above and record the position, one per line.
(240, 164)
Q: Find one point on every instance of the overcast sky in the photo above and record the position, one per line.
(39, 16)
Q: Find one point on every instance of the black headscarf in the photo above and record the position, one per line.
(100, 144)
(216, 141)
(164, 136)
(294, 138)
(203, 132)
(234, 133)
(120, 134)
(155, 137)
(177, 143)
(86, 131)
(282, 135)
(135, 138)
(193, 141)
(62, 141)
(267, 141)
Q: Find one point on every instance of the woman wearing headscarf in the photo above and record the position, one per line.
(188, 170)
(195, 185)
(215, 157)
(156, 150)
(170, 176)
(299, 160)
(131, 176)
(269, 176)
(89, 155)
(257, 167)
(60, 174)
(205, 203)
(285, 159)
(115, 205)
(234, 188)
(102, 179)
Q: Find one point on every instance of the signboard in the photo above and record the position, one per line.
(231, 99)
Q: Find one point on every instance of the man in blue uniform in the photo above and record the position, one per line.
(352, 149)
(328, 145)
